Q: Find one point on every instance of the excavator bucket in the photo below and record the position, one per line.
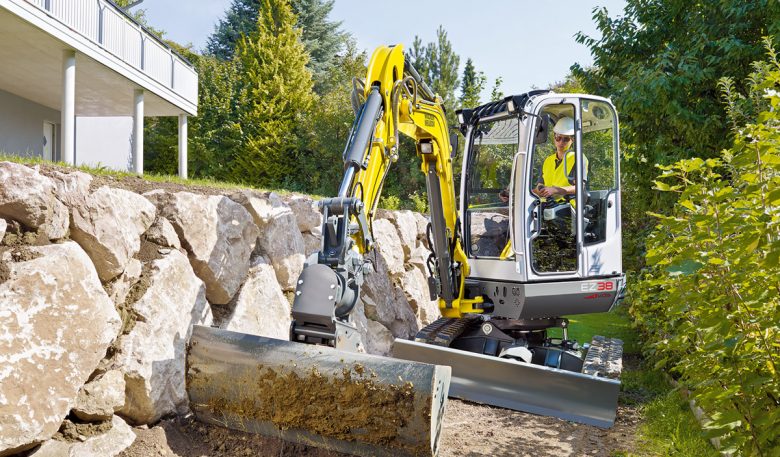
(580, 397)
(315, 395)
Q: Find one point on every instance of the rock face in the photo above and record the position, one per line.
(489, 233)
(29, 198)
(406, 224)
(307, 216)
(98, 400)
(152, 354)
(386, 303)
(120, 287)
(279, 240)
(219, 237)
(110, 444)
(162, 232)
(56, 322)
(108, 225)
(72, 188)
(415, 286)
(260, 308)
(3, 226)
(390, 246)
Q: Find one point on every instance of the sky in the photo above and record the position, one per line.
(530, 44)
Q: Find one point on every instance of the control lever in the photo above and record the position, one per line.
(537, 218)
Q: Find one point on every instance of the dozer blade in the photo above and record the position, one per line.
(521, 386)
(315, 395)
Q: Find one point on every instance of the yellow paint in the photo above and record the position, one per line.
(422, 121)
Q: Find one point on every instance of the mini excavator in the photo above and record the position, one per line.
(505, 266)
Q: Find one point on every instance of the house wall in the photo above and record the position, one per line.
(21, 125)
(105, 142)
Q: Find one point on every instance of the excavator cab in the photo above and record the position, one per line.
(563, 252)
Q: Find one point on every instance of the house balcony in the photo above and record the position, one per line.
(86, 59)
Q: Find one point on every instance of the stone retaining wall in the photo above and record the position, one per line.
(99, 289)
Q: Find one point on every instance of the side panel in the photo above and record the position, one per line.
(515, 300)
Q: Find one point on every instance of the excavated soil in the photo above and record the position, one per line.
(470, 430)
(74, 430)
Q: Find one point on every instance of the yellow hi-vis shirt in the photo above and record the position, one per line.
(562, 174)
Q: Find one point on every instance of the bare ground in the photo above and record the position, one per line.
(470, 430)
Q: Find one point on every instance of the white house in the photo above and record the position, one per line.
(77, 78)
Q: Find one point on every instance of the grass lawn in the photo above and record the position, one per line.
(668, 427)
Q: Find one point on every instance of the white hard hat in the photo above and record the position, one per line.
(564, 126)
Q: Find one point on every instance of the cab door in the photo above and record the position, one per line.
(550, 227)
(601, 218)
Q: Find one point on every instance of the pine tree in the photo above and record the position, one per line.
(438, 66)
(471, 86)
(272, 67)
(323, 39)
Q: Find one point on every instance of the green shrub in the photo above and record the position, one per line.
(709, 301)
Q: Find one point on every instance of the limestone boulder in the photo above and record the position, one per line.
(3, 227)
(415, 287)
(389, 245)
(406, 225)
(71, 188)
(108, 444)
(29, 197)
(109, 225)
(162, 232)
(419, 259)
(152, 354)
(121, 285)
(312, 241)
(218, 235)
(56, 323)
(422, 228)
(489, 233)
(307, 215)
(280, 239)
(379, 340)
(386, 303)
(260, 307)
(100, 398)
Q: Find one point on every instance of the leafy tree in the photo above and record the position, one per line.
(709, 301)
(496, 93)
(660, 63)
(471, 86)
(139, 15)
(214, 135)
(271, 65)
(329, 124)
(322, 38)
(570, 85)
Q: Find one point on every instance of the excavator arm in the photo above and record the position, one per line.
(395, 101)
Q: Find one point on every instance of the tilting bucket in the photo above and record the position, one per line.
(314, 395)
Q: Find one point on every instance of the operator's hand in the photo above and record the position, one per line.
(549, 191)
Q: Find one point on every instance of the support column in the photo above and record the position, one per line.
(138, 132)
(68, 109)
(183, 146)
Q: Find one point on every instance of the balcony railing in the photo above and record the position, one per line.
(109, 27)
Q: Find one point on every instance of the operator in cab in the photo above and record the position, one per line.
(558, 172)
(556, 187)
